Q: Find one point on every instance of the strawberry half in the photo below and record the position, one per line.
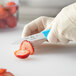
(2, 71)
(26, 45)
(2, 74)
(22, 53)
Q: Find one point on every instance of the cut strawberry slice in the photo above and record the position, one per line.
(22, 53)
(2, 71)
(8, 74)
(26, 45)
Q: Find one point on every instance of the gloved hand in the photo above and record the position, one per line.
(36, 26)
(63, 26)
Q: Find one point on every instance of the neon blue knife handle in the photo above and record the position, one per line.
(46, 32)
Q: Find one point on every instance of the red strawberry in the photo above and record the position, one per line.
(2, 71)
(2, 24)
(3, 13)
(11, 21)
(8, 74)
(22, 53)
(12, 6)
(26, 45)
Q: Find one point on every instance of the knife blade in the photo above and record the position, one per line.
(35, 39)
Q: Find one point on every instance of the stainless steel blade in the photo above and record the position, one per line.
(35, 39)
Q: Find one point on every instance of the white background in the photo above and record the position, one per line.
(43, 7)
(31, 9)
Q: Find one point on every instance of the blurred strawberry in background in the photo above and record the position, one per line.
(3, 12)
(12, 7)
(2, 24)
(11, 21)
(8, 15)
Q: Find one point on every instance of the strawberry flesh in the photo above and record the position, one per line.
(26, 45)
(22, 54)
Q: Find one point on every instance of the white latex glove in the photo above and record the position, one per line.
(63, 26)
(36, 26)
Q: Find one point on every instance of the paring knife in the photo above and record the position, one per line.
(35, 39)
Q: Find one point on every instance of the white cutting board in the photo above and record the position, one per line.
(48, 60)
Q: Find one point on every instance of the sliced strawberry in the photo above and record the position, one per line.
(8, 74)
(26, 45)
(12, 7)
(2, 24)
(22, 53)
(2, 71)
(11, 21)
(3, 13)
(2, 74)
